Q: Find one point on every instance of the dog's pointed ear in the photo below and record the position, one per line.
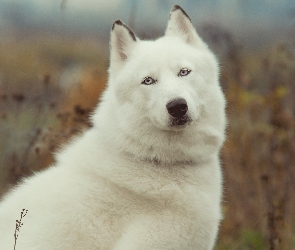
(180, 25)
(122, 41)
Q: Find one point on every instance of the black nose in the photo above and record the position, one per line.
(177, 108)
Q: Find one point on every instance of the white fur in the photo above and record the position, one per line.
(132, 181)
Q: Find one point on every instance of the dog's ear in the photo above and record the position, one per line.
(180, 25)
(122, 41)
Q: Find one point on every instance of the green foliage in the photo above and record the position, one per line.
(253, 240)
(245, 240)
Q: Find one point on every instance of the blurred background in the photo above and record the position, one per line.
(53, 68)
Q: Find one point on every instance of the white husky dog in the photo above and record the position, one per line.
(147, 175)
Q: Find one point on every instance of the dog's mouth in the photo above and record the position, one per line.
(180, 122)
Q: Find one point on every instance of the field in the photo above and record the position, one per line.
(50, 84)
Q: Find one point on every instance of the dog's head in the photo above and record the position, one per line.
(169, 83)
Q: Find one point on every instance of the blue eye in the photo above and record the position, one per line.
(148, 81)
(184, 72)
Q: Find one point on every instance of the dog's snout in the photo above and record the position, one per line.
(177, 108)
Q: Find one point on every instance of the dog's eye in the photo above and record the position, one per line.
(184, 72)
(148, 81)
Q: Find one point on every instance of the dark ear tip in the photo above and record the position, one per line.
(118, 22)
(177, 7)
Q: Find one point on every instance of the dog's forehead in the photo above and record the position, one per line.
(168, 54)
(163, 52)
(165, 46)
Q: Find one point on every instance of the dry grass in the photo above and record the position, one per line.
(42, 103)
(259, 154)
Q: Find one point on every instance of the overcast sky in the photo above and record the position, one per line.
(242, 17)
